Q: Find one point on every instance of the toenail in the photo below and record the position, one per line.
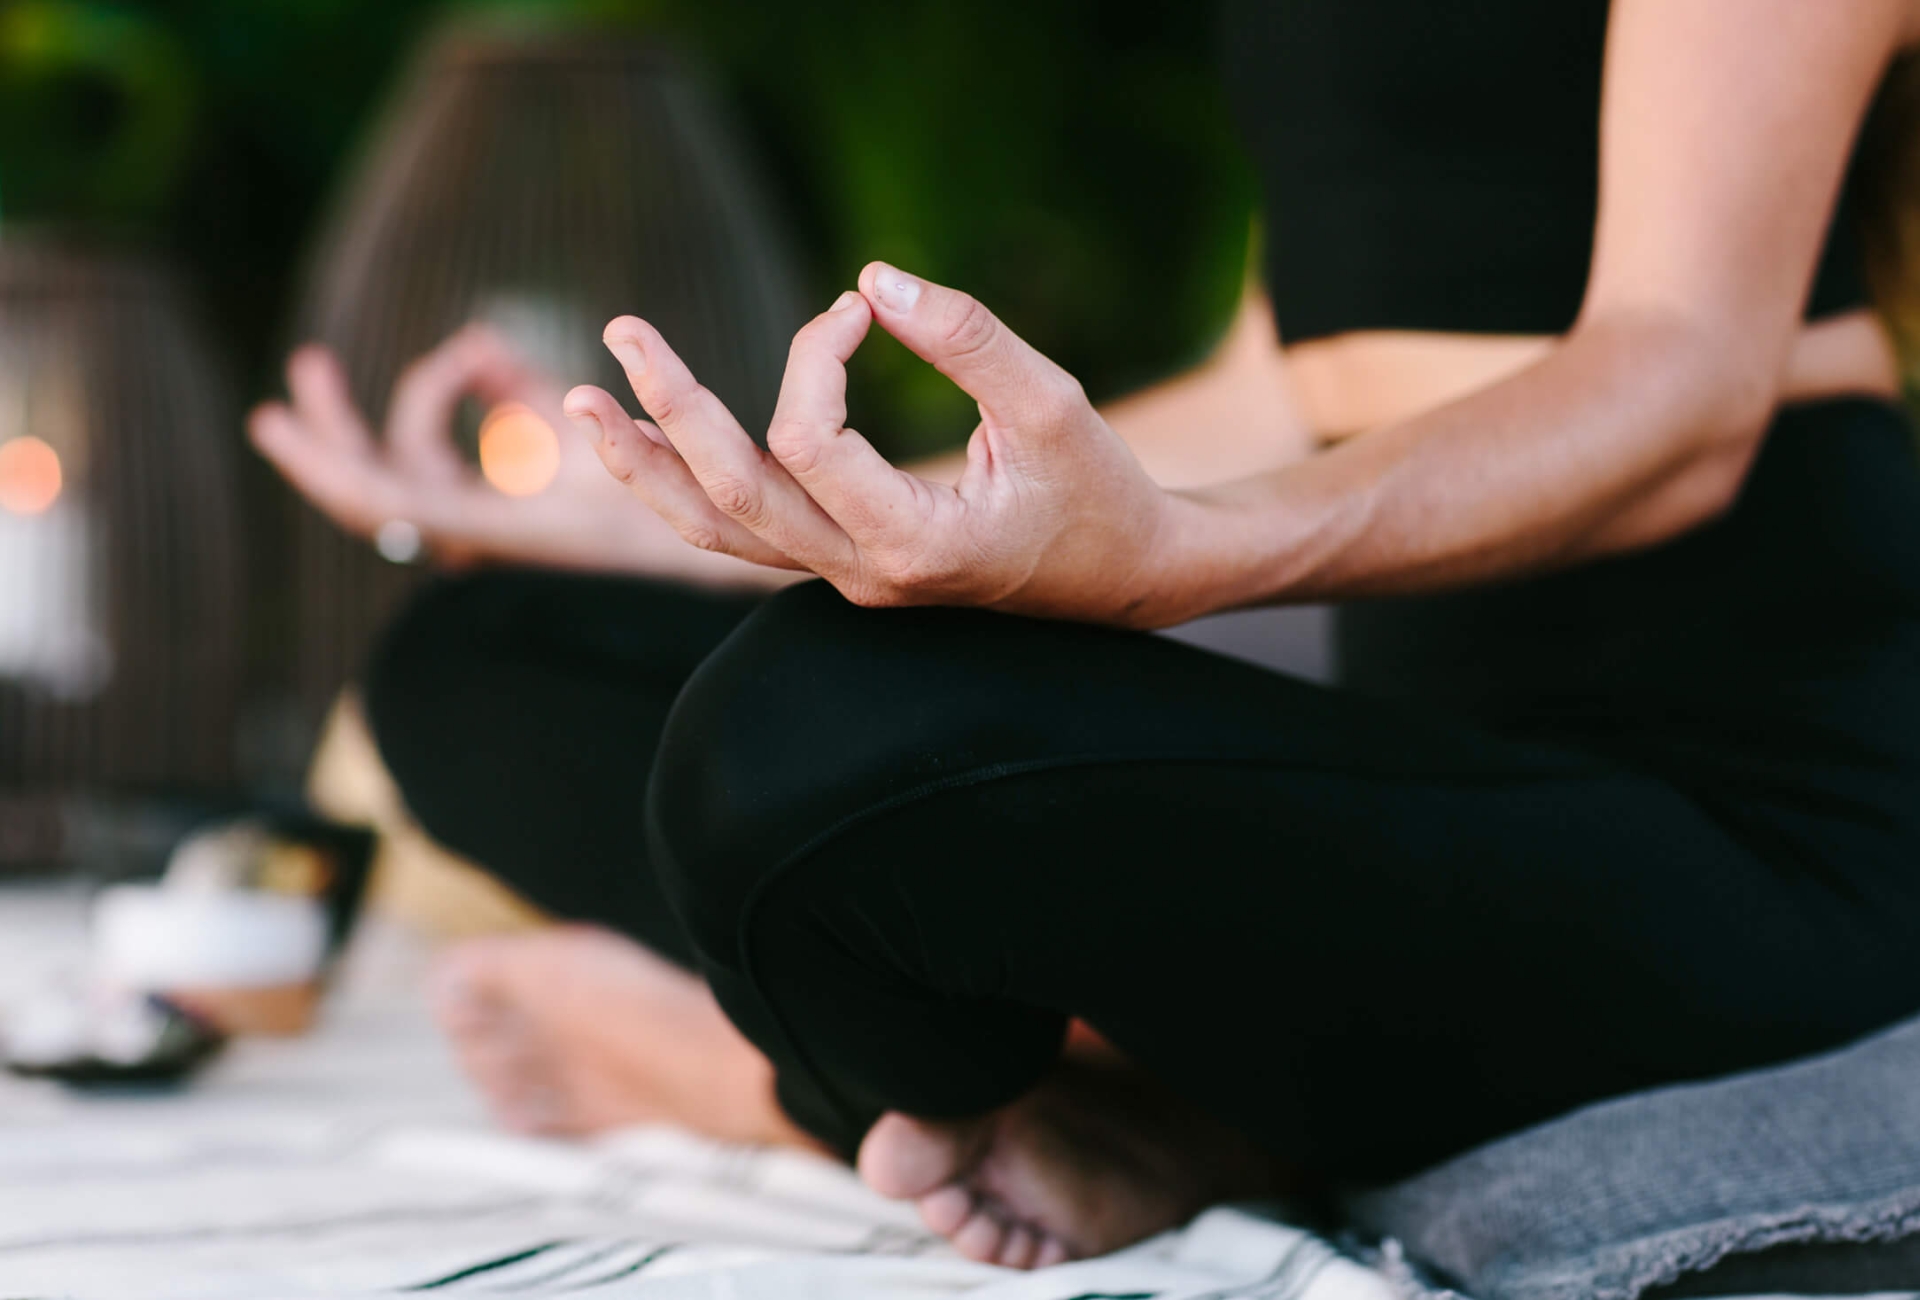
(946, 1209)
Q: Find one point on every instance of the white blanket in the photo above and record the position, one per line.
(355, 1162)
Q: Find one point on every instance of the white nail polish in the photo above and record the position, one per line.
(895, 290)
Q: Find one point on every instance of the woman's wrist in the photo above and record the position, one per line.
(1214, 548)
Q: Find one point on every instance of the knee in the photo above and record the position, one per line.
(812, 713)
(418, 678)
(816, 715)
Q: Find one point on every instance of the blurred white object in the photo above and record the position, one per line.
(50, 620)
(158, 938)
(399, 542)
(51, 1027)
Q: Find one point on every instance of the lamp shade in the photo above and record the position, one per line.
(120, 622)
(545, 183)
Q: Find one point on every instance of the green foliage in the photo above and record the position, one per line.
(96, 102)
(1068, 161)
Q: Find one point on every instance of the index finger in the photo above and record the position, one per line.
(420, 417)
(853, 483)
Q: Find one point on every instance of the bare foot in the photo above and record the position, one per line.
(1093, 1159)
(576, 1030)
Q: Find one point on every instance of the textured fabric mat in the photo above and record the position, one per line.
(1806, 1174)
(355, 1162)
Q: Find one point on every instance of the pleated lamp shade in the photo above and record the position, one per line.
(546, 184)
(121, 641)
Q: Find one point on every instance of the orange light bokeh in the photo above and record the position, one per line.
(30, 479)
(519, 451)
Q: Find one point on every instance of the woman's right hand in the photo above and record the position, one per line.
(413, 477)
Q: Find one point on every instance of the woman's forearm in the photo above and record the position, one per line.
(1629, 432)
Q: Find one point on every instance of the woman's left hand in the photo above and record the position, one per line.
(1053, 516)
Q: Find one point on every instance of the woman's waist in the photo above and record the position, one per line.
(1821, 550)
(1349, 383)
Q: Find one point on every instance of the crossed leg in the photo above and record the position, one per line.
(909, 845)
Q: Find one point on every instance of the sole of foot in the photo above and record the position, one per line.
(1093, 1159)
(575, 1030)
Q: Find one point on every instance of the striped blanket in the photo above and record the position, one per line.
(355, 1163)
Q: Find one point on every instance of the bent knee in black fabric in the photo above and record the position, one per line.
(908, 843)
(815, 712)
(817, 722)
(519, 711)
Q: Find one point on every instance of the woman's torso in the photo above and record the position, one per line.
(1430, 186)
(1430, 182)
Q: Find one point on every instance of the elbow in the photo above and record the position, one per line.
(1713, 406)
(1713, 481)
(1727, 389)
(1713, 386)
(1725, 393)
(1729, 411)
(1736, 410)
(1737, 398)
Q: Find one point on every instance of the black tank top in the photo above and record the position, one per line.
(1433, 164)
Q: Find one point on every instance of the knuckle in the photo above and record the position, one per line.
(910, 571)
(704, 536)
(796, 444)
(734, 496)
(1061, 396)
(869, 594)
(967, 326)
(805, 339)
(663, 405)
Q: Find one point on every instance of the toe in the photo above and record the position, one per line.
(981, 1237)
(905, 1158)
(1052, 1251)
(945, 1209)
(1019, 1248)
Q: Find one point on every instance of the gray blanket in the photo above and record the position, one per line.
(1769, 1181)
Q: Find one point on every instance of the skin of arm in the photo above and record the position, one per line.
(1726, 125)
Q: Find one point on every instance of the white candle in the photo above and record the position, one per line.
(50, 624)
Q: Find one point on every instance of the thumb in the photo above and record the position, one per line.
(960, 338)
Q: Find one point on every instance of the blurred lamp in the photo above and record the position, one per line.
(519, 451)
(545, 183)
(120, 635)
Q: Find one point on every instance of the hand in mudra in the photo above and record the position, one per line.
(413, 476)
(1053, 515)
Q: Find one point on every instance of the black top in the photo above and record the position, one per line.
(1433, 164)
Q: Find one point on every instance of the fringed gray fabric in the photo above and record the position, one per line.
(1763, 1171)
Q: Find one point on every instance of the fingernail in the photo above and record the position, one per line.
(628, 352)
(896, 290)
(844, 301)
(588, 423)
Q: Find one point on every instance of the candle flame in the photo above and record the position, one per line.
(519, 451)
(30, 479)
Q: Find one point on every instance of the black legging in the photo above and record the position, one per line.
(1651, 819)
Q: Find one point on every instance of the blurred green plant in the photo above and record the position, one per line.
(1068, 161)
(96, 106)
